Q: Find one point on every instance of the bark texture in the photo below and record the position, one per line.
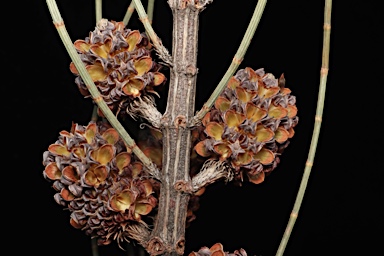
(168, 235)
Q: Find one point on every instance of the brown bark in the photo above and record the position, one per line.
(168, 235)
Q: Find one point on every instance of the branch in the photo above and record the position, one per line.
(237, 59)
(128, 13)
(211, 171)
(161, 50)
(150, 6)
(97, 98)
(98, 9)
(316, 129)
(98, 13)
(131, 8)
(94, 247)
(199, 4)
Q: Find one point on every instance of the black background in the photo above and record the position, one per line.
(342, 211)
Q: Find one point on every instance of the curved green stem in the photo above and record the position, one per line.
(96, 96)
(161, 50)
(150, 6)
(316, 130)
(128, 13)
(238, 58)
(131, 9)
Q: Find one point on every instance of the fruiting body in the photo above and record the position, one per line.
(119, 62)
(250, 124)
(217, 250)
(99, 181)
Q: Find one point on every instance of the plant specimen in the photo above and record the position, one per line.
(120, 189)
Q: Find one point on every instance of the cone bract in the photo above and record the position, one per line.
(250, 124)
(99, 181)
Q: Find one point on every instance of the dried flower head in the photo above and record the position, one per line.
(100, 182)
(250, 124)
(119, 62)
(217, 250)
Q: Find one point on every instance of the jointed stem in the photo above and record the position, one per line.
(316, 130)
(238, 58)
(150, 6)
(129, 12)
(98, 13)
(131, 9)
(96, 96)
(161, 50)
(163, 53)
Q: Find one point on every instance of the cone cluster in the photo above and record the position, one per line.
(217, 250)
(97, 178)
(250, 124)
(119, 62)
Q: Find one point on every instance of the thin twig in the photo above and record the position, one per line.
(128, 13)
(96, 96)
(98, 10)
(150, 6)
(95, 115)
(161, 50)
(98, 13)
(316, 130)
(131, 9)
(94, 247)
(237, 59)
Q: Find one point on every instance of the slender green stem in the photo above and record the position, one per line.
(131, 9)
(238, 58)
(96, 96)
(161, 50)
(150, 7)
(316, 130)
(145, 20)
(95, 115)
(98, 8)
(128, 13)
(94, 247)
(98, 13)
